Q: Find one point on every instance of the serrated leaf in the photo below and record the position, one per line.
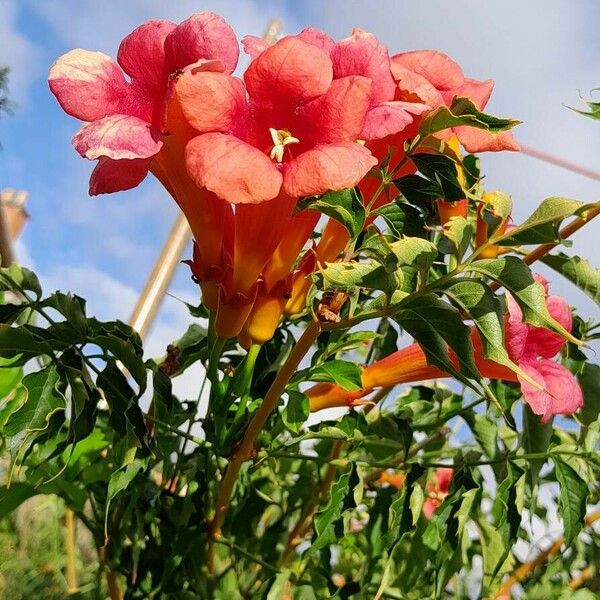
(325, 519)
(436, 325)
(344, 206)
(462, 112)
(415, 252)
(578, 271)
(589, 380)
(419, 190)
(344, 276)
(542, 225)
(44, 399)
(536, 439)
(571, 500)
(296, 411)
(11, 497)
(345, 374)
(456, 237)
(493, 552)
(516, 277)
(443, 171)
(17, 277)
(17, 340)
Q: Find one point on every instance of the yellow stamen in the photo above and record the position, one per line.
(281, 138)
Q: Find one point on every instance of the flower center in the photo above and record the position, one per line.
(281, 138)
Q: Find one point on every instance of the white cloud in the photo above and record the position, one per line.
(18, 53)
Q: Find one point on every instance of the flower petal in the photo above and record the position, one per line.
(413, 87)
(254, 45)
(327, 167)
(561, 394)
(362, 54)
(478, 140)
(547, 343)
(339, 114)
(232, 169)
(142, 55)
(515, 330)
(288, 73)
(438, 68)
(87, 85)
(478, 92)
(117, 137)
(211, 101)
(117, 175)
(203, 35)
(317, 38)
(389, 118)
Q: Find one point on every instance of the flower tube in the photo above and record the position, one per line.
(531, 348)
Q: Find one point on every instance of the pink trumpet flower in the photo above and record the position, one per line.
(124, 104)
(531, 348)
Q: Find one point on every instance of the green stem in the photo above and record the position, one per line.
(240, 384)
(212, 371)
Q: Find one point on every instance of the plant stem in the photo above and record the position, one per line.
(212, 371)
(114, 589)
(526, 568)
(72, 586)
(244, 451)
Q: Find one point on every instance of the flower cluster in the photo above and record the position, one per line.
(309, 115)
(531, 348)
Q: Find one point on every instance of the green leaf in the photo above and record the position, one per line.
(349, 341)
(435, 325)
(19, 340)
(402, 218)
(594, 112)
(325, 520)
(345, 276)
(44, 400)
(578, 271)
(516, 277)
(121, 478)
(572, 499)
(345, 374)
(462, 112)
(442, 170)
(71, 307)
(419, 190)
(589, 379)
(536, 439)
(296, 411)
(11, 497)
(456, 237)
(124, 343)
(484, 307)
(344, 206)
(415, 252)
(20, 278)
(493, 552)
(542, 226)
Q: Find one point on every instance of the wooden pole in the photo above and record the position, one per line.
(161, 275)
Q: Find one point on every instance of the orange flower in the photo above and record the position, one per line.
(404, 366)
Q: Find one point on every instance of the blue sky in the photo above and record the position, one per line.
(541, 54)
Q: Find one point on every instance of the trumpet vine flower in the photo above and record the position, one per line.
(124, 103)
(437, 490)
(530, 347)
